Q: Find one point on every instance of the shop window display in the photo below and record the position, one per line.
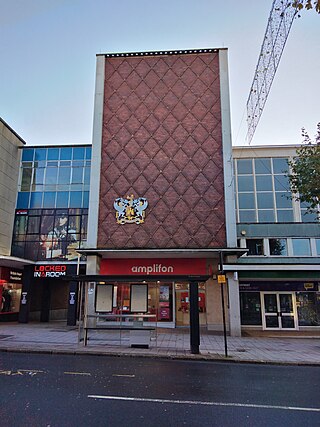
(250, 308)
(308, 307)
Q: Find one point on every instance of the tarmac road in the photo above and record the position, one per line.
(55, 390)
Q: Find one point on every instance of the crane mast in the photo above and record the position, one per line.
(279, 24)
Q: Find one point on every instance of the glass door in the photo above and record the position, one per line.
(279, 311)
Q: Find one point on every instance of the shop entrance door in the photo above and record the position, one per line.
(279, 311)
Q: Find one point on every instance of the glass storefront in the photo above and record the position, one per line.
(280, 305)
(164, 302)
(10, 292)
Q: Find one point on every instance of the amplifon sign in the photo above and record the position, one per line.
(49, 271)
(154, 267)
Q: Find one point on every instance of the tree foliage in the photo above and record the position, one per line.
(307, 4)
(304, 177)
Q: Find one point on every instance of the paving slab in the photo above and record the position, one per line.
(56, 337)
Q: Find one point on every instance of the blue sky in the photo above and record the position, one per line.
(48, 51)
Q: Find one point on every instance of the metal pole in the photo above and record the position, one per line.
(194, 317)
(223, 310)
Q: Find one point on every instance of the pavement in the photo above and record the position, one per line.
(57, 338)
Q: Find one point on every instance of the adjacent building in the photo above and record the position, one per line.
(279, 277)
(11, 267)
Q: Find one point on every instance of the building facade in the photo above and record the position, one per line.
(50, 225)
(161, 189)
(10, 267)
(279, 277)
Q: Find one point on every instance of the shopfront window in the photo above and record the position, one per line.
(308, 307)
(250, 308)
(153, 300)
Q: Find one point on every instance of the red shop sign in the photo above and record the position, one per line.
(154, 267)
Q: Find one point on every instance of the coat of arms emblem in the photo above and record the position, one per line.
(130, 210)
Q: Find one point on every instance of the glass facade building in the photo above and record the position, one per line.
(279, 281)
(52, 203)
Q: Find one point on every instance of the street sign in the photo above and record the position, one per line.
(222, 278)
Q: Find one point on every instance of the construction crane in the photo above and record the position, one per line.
(279, 24)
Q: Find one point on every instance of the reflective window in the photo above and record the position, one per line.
(23, 200)
(246, 201)
(88, 153)
(280, 166)
(245, 183)
(49, 199)
(266, 215)
(248, 216)
(77, 175)
(53, 154)
(262, 166)
(64, 176)
(285, 215)
(265, 200)
(78, 153)
(278, 247)
(250, 308)
(85, 199)
(301, 247)
(264, 183)
(244, 166)
(38, 176)
(318, 246)
(51, 176)
(65, 153)
(281, 183)
(40, 154)
(36, 200)
(62, 199)
(27, 154)
(283, 201)
(75, 199)
(26, 179)
(308, 307)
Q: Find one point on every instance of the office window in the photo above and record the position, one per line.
(278, 247)
(40, 154)
(318, 246)
(244, 166)
(262, 166)
(255, 246)
(65, 153)
(36, 200)
(53, 154)
(301, 247)
(27, 154)
(280, 166)
(78, 153)
(62, 199)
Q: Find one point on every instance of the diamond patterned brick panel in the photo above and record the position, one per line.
(162, 140)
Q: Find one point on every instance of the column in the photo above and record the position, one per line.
(234, 305)
(25, 294)
(93, 268)
(72, 304)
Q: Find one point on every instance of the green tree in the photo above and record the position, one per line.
(304, 177)
(307, 4)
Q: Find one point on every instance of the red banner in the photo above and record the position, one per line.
(154, 267)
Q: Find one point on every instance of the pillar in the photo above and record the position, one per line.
(234, 305)
(194, 318)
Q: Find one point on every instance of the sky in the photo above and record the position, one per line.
(48, 57)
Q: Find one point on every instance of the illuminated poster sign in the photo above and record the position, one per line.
(49, 271)
(153, 267)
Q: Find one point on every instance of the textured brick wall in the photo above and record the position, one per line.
(162, 140)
